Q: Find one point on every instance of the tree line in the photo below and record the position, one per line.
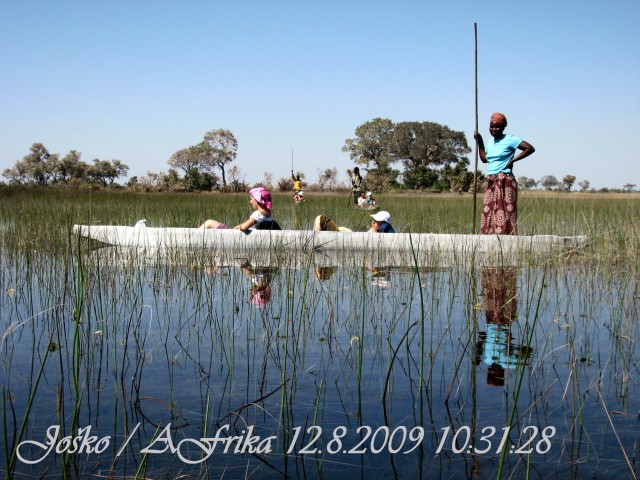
(41, 167)
(549, 182)
(431, 156)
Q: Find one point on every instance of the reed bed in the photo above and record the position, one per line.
(146, 347)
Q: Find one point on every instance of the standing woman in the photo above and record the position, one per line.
(499, 208)
(357, 184)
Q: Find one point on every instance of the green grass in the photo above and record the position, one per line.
(40, 219)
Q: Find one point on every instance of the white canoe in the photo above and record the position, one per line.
(393, 248)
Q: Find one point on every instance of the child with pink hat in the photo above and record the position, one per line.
(260, 219)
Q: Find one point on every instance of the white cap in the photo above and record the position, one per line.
(382, 216)
(368, 194)
(301, 193)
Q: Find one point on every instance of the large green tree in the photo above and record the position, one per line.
(433, 155)
(371, 145)
(425, 148)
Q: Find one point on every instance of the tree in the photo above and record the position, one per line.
(186, 159)
(371, 145)
(70, 167)
(223, 149)
(420, 177)
(584, 185)
(456, 178)
(133, 183)
(567, 182)
(268, 180)
(328, 178)
(380, 179)
(424, 148)
(195, 179)
(429, 146)
(105, 172)
(44, 168)
(236, 178)
(17, 173)
(151, 181)
(628, 187)
(37, 167)
(549, 182)
(527, 183)
(120, 168)
(171, 181)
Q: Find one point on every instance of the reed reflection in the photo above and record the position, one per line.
(496, 346)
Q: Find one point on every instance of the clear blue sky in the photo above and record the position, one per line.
(138, 80)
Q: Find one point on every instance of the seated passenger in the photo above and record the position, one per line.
(381, 223)
(323, 223)
(362, 200)
(260, 219)
(370, 201)
(298, 197)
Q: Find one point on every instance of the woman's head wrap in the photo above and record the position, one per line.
(499, 118)
(262, 196)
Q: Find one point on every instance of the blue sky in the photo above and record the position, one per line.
(138, 80)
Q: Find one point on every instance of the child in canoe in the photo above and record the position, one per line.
(260, 219)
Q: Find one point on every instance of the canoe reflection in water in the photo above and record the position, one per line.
(381, 277)
(324, 273)
(496, 345)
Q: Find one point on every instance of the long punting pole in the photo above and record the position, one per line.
(475, 170)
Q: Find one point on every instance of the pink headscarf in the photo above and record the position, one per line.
(262, 196)
(261, 297)
(499, 118)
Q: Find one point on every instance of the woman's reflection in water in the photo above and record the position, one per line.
(496, 346)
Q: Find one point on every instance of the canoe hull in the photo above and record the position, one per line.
(406, 248)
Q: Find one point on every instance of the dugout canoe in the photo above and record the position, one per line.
(401, 248)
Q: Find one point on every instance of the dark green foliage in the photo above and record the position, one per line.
(433, 156)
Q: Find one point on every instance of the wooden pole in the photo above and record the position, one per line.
(475, 170)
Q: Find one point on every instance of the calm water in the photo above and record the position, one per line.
(318, 372)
